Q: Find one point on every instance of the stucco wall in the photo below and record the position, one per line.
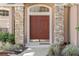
(6, 21)
(78, 24)
(73, 25)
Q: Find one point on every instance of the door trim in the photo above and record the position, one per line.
(50, 22)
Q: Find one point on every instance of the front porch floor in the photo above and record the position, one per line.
(35, 51)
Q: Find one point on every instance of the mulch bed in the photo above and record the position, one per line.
(8, 53)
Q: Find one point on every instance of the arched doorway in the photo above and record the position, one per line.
(39, 24)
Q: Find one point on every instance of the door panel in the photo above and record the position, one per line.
(66, 24)
(39, 27)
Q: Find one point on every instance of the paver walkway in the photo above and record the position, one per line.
(35, 51)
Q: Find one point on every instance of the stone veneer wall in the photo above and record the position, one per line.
(59, 24)
(19, 36)
(58, 28)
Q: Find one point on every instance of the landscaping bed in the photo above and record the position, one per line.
(8, 46)
(63, 50)
(6, 53)
(8, 50)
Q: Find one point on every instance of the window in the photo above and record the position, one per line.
(4, 13)
(3, 29)
(39, 9)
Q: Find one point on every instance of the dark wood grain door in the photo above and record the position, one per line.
(39, 27)
(66, 24)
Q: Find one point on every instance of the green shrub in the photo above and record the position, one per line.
(11, 38)
(7, 46)
(18, 46)
(11, 47)
(3, 36)
(54, 50)
(70, 50)
(77, 28)
(7, 37)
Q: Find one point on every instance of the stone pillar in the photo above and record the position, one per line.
(19, 36)
(59, 24)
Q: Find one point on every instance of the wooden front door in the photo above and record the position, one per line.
(66, 24)
(39, 27)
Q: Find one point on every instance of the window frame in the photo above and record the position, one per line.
(4, 12)
(39, 9)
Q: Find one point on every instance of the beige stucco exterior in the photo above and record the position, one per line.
(6, 22)
(73, 25)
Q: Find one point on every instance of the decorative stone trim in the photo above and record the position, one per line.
(59, 24)
(19, 36)
(11, 4)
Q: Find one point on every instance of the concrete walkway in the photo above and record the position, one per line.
(35, 51)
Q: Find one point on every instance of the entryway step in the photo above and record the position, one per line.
(37, 44)
(44, 43)
(35, 51)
